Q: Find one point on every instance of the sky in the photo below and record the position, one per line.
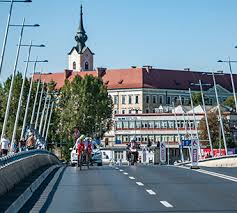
(168, 34)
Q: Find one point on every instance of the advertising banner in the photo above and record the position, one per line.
(194, 152)
(162, 152)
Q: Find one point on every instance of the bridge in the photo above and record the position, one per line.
(37, 181)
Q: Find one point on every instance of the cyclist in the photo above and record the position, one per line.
(80, 146)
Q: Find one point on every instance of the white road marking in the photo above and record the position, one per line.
(151, 192)
(166, 204)
(116, 168)
(132, 178)
(125, 173)
(234, 179)
(139, 183)
(121, 170)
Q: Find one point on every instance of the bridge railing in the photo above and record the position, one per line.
(20, 155)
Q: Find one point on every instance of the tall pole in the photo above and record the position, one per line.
(12, 80)
(6, 36)
(39, 105)
(28, 102)
(232, 82)
(185, 126)
(46, 117)
(43, 112)
(219, 111)
(177, 128)
(206, 119)
(21, 95)
(50, 116)
(194, 116)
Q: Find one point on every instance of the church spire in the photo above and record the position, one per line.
(81, 36)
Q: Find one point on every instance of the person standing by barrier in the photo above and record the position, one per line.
(5, 144)
(30, 143)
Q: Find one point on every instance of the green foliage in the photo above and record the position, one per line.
(230, 102)
(197, 98)
(85, 103)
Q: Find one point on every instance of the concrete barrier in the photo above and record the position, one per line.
(223, 161)
(14, 172)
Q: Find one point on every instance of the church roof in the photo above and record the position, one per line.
(146, 78)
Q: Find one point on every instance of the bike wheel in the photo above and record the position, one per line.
(81, 161)
(87, 161)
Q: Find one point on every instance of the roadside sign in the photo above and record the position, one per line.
(162, 152)
(186, 142)
(194, 152)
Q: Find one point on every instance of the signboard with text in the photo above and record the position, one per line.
(194, 151)
(162, 152)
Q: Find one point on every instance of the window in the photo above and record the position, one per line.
(119, 124)
(151, 124)
(171, 124)
(168, 100)
(160, 99)
(115, 111)
(147, 110)
(86, 66)
(116, 99)
(157, 124)
(154, 99)
(144, 124)
(123, 111)
(129, 99)
(74, 65)
(136, 99)
(138, 124)
(125, 124)
(131, 124)
(147, 99)
(123, 99)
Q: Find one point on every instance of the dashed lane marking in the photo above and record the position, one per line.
(139, 183)
(121, 170)
(132, 178)
(151, 192)
(166, 204)
(125, 173)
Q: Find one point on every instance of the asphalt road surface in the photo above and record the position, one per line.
(137, 189)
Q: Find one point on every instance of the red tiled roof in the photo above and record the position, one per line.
(143, 78)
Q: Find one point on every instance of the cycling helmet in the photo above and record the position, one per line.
(82, 137)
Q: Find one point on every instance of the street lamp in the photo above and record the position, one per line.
(7, 29)
(29, 94)
(219, 110)
(205, 113)
(22, 88)
(232, 80)
(13, 76)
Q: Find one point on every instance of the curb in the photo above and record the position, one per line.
(26, 195)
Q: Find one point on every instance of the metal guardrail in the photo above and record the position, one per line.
(20, 155)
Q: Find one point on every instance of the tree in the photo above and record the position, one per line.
(230, 102)
(197, 98)
(85, 103)
(214, 129)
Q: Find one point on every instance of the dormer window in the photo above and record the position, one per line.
(86, 66)
(74, 65)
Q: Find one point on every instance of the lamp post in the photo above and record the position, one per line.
(177, 128)
(205, 113)
(7, 29)
(46, 117)
(219, 111)
(13, 74)
(40, 100)
(29, 94)
(50, 116)
(232, 80)
(42, 114)
(22, 89)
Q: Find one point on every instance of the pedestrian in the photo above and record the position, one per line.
(5, 144)
(30, 143)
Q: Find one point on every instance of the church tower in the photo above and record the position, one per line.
(80, 58)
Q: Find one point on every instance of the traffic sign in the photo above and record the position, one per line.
(162, 152)
(186, 142)
(194, 152)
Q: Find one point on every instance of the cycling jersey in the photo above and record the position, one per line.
(80, 148)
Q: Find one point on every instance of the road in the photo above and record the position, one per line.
(136, 189)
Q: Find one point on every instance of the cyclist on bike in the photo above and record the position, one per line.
(80, 145)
